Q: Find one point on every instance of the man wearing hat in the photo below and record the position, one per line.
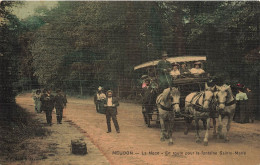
(164, 67)
(111, 104)
(48, 101)
(60, 103)
(175, 71)
(197, 69)
(99, 100)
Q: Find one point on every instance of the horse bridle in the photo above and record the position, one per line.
(201, 106)
(223, 102)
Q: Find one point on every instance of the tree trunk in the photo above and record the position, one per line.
(180, 42)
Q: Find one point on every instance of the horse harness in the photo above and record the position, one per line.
(170, 108)
(228, 104)
(196, 103)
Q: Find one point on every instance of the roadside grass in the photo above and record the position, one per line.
(17, 128)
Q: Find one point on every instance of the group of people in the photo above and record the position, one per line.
(245, 108)
(168, 71)
(107, 104)
(46, 101)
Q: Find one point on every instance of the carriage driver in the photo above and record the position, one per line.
(175, 71)
(164, 67)
(197, 69)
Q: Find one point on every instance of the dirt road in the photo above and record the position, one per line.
(137, 144)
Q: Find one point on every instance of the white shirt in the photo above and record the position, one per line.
(175, 73)
(109, 102)
(197, 71)
(101, 96)
(241, 96)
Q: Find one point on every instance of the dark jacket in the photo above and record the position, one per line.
(47, 102)
(163, 68)
(60, 101)
(114, 101)
(146, 94)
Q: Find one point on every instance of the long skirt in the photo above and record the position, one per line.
(101, 108)
(241, 113)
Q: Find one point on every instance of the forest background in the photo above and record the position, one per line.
(77, 46)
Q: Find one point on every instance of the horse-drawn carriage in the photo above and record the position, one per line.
(190, 98)
(185, 83)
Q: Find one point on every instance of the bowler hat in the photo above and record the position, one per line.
(109, 91)
(164, 54)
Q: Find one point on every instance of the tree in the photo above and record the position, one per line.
(9, 49)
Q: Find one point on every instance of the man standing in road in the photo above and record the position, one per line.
(111, 105)
(60, 104)
(164, 67)
(47, 100)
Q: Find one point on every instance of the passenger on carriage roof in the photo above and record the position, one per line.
(197, 69)
(175, 71)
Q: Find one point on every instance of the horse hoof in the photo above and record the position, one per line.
(206, 143)
(170, 143)
(198, 141)
(162, 139)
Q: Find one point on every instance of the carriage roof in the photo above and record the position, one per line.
(172, 60)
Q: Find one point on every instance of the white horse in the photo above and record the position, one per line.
(226, 105)
(168, 103)
(199, 105)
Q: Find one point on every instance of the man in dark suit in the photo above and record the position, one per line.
(47, 100)
(60, 104)
(111, 105)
